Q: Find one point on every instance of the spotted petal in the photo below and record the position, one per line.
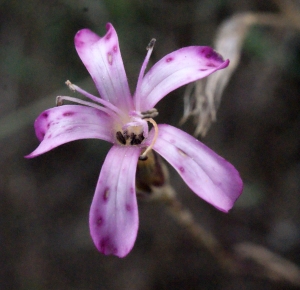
(102, 58)
(210, 176)
(175, 70)
(67, 123)
(114, 213)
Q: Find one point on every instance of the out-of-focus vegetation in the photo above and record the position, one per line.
(44, 235)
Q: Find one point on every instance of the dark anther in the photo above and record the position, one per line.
(141, 137)
(132, 141)
(136, 139)
(59, 101)
(120, 138)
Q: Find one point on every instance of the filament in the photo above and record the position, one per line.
(60, 99)
(144, 155)
(142, 72)
(94, 98)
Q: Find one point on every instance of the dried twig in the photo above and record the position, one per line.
(246, 259)
(202, 98)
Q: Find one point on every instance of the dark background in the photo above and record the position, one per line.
(44, 202)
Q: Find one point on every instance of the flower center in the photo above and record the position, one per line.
(133, 135)
(135, 132)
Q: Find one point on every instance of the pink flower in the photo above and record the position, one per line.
(121, 119)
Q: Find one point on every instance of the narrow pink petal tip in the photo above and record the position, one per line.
(114, 214)
(67, 123)
(102, 58)
(85, 37)
(176, 69)
(209, 175)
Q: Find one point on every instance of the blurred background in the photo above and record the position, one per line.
(44, 202)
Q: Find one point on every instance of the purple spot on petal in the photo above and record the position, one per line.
(204, 50)
(181, 169)
(128, 207)
(103, 244)
(115, 48)
(45, 115)
(132, 191)
(203, 69)
(99, 221)
(108, 36)
(210, 64)
(209, 53)
(106, 194)
(106, 247)
(49, 136)
(68, 114)
(169, 59)
(79, 43)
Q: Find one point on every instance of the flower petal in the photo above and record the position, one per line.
(114, 213)
(103, 60)
(177, 69)
(210, 176)
(67, 123)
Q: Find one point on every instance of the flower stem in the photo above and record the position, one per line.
(185, 218)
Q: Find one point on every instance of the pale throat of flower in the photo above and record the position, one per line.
(135, 132)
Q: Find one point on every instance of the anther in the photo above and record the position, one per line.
(70, 85)
(59, 101)
(151, 44)
(144, 155)
(120, 138)
(149, 114)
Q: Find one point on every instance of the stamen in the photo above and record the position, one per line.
(144, 155)
(151, 44)
(60, 99)
(70, 85)
(107, 104)
(120, 138)
(137, 95)
(149, 114)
